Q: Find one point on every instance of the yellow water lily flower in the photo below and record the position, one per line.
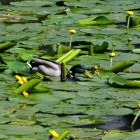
(112, 54)
(25, 93)
(20, 82)
(72, 31)
(54, 133)
(18, 77)
(23, 105)
(24, 79)
(138, 105)
(130, 13)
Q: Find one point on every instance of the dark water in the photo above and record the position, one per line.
(117, 123)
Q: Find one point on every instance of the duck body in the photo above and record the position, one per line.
(52, 68)
(45, 67)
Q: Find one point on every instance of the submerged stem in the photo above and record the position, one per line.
(63, 135)
(135, 119)
(111, 60)
(59, 49)
(70, 44)
(128, 22)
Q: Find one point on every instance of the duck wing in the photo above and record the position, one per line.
(47, 63)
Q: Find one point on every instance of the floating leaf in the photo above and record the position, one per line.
(17, 50)
(91, 21)
(136, 50)
(111, 110)
(134, 21)
(40, 89)
(44, 97)
(100, 49)
(122, 135)
(32, 3)
(20, 130)
(121, 66)
(2, 136)
(7, 107)
(25, 56)
(118, 81)
(16, 65)
(6, 45)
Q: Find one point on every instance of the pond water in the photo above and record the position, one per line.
(120, 123)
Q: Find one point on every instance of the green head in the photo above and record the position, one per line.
(80, 69)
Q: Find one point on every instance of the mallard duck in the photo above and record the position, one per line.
(52, 68)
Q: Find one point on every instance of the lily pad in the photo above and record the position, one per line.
(118, 136)
(3, 136)
(20, 130)
(118, 81)
(32, 3)
(136, 51)
(94, 21)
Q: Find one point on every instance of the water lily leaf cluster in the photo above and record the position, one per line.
(88, 108)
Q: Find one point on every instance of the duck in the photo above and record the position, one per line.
(52, 68)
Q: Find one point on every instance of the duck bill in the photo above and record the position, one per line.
(86, 73)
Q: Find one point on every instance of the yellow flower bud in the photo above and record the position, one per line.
(96, 67)
(138, 105)
(23, 105)
(72, 31)
(18, 77)
(24, 79)
(25, 93)
(20, 82)
(54, 133)
(112, 54)
(130, 13)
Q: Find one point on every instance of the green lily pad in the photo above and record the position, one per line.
(32, 3)
(121, 66)
(8, 107)
(2, 136)
(62, 108)
(134, 21)
(111, 111)
(94, 21)
(136, 51)
(44, 97)
(125, 135)
(20, 130)
(100, 49)
(16, 65)
(25, 56)
(17, 50)
(119, 81)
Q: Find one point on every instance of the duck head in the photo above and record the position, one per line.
(80, 69)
